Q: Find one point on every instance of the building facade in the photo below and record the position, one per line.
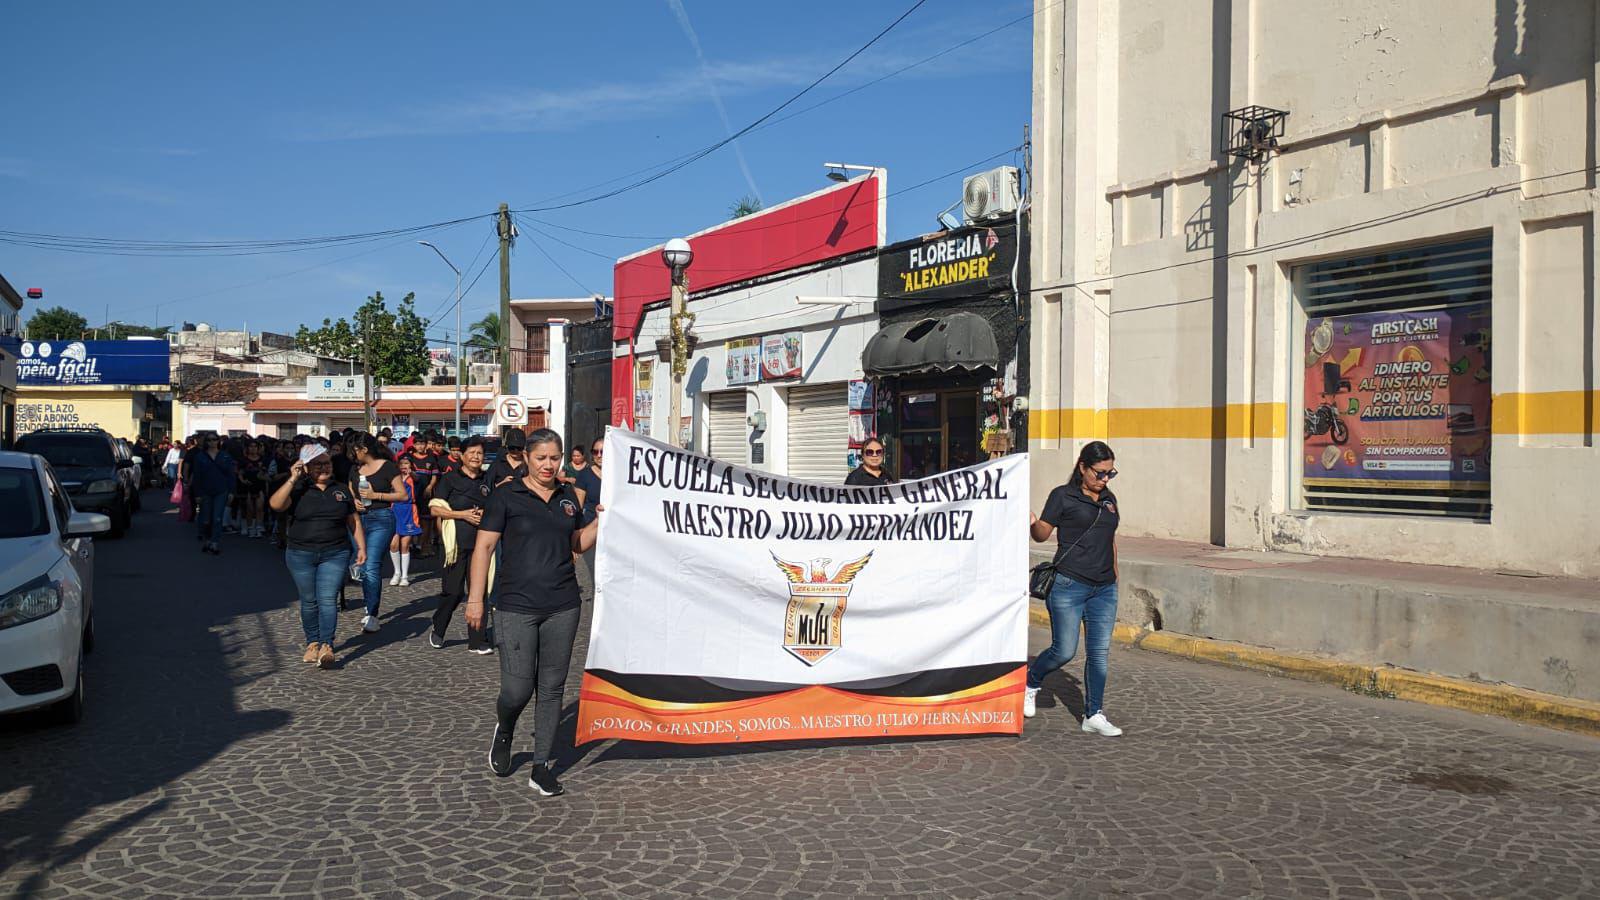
(783, 306)
(1323, 275)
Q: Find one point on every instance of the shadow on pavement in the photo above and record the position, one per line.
(160, 698)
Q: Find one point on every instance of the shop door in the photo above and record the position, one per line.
(938, 432)
(726, 429)
(819, 432)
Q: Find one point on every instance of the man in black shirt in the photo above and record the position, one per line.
(464, 491)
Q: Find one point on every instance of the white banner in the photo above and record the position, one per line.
(727, 576)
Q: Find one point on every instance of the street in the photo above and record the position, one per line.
(213, 762)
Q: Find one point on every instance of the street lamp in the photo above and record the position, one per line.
(456, 360)
(837, 170)
(677, 255)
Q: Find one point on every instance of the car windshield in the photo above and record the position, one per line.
(24, 505)
(69, 451)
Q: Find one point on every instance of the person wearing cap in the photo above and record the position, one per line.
(322, 524)
(510, 465)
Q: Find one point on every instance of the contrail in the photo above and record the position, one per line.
(682, 16)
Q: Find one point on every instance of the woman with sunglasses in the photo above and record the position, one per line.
(322, 525)
(1083, 515)
(871, 471)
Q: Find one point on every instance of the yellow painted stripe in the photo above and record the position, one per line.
(1236, 420)
(1546, 412)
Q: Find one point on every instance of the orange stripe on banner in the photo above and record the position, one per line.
(808, 713)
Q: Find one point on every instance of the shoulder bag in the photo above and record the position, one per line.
(1042, 579)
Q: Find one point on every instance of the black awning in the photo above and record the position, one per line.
(959, 340)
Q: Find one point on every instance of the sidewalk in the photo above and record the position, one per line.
(1346, 616)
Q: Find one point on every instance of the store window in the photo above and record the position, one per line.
(938, 432)
(1394, 369)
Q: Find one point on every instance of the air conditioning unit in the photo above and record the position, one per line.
(991, 194)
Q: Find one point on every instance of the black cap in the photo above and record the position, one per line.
(516, 440)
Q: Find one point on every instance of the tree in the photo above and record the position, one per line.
(485, 333)
(744, 206)
(395, 343)
(57, 323)
(120, 330)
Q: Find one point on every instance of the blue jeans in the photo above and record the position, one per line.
(319, 577)
(1093, 606)
(378, 526)
(212, 506)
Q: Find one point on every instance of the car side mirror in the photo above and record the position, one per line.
(124, 463)
(87, 524)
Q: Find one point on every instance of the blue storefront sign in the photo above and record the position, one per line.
(90, 362)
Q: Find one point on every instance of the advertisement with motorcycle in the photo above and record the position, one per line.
(1398, 399)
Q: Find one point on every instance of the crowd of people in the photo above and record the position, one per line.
(508, 532)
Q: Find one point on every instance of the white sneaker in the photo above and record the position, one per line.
(369, 624)
(394, 580)
(404, 582)
(1099, 724)
(1028, 708)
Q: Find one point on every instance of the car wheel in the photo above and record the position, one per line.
(138, 500)
(88, 635)
(119, 520)
(70, 710)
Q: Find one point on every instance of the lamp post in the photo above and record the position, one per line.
(455, 360)
(677, 255)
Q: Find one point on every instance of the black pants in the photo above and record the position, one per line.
(535, 652)
(454, 594)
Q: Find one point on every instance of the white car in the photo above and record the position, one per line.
(46, 589)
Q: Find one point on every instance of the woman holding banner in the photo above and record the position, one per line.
(871, 471)
(536, 599)
(1083, 514)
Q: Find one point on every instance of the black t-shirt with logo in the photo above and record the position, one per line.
(535, 573)
(860, 477)
(461, 492)
(318, 517)
(1088, 528)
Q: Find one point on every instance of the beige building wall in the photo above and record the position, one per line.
(1164, 317)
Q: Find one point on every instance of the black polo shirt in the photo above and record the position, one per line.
(319, 518)
(860, 477)
(461, 492)
(1088, 528)
(535, 573)
(502, 468)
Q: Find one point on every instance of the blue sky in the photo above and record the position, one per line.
(219, 121)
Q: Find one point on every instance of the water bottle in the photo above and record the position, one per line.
(361, 498)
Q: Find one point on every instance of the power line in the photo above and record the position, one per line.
(563, 269)
(707, 151)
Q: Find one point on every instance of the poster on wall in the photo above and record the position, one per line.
(861, 428)
(780, 356)
(744, 360)
(1398, 399)
(400, 425)
(644, 389)
(860, 396)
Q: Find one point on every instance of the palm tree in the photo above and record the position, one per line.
(485, 333)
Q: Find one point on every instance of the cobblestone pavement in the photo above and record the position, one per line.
(213, 762)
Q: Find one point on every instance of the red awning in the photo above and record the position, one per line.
(468, 405)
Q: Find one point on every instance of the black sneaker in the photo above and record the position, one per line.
(544, 781)
(500, 753)
(437, 643)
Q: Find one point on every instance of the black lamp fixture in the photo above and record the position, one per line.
(1252, 132)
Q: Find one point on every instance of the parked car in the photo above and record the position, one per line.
(46, 589)
(97, 476)
(126, 450)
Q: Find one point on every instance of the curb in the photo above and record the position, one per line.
(1501, 700)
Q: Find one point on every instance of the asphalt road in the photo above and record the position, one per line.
(213, 762)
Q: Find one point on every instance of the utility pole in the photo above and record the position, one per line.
(503, 226)
(366, 373)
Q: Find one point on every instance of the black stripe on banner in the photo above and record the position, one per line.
(693, 689)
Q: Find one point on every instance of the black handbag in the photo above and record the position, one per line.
(1042, 578)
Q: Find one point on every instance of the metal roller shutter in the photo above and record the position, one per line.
(819, 432)
(729, 441)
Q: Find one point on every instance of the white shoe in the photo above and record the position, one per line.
(394, 580)
(1028, 708)
(404, 582)
(1099, 724)
(369, 624)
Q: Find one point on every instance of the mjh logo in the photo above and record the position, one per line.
(813, 621)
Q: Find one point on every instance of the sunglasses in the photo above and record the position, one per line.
(872, 453)
(1103, 474)
(596, 452)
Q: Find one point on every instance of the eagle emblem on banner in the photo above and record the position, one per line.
(812, 622)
